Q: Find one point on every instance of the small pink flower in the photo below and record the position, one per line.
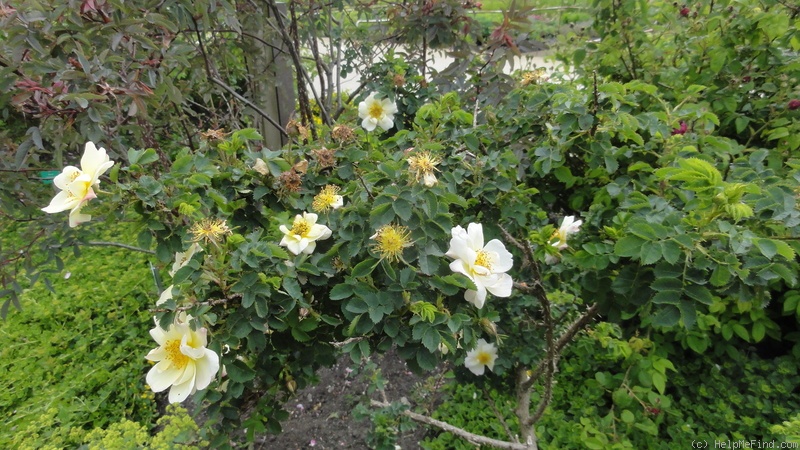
(312, 443)
(682, 130)
(793, 104)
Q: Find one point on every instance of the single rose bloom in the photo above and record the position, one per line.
(482, 356)
(484, 265)
(568, 226)
(376, 113)
(305, 231)
(183, 363)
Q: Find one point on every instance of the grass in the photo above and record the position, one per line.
(73, 360)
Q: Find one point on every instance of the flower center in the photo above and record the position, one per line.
(483, 259)
(376, 110)
(484, 358)
(392, 239)
(82, 189)
(300, 227)
(174, 354)
(326, 198)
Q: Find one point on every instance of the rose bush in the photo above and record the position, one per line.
(687, 238)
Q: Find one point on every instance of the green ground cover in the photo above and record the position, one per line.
(73, 359)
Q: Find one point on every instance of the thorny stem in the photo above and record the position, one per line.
(471, 437)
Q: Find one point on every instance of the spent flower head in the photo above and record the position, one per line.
(213, 134)
(325, 157)
(211, 231)
(423, 167)
(342, 134)
(327, 199)
(391, 240)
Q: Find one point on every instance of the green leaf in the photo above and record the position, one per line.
(239, 372)
(381, 215)
(341, 291)
(659, 382)
(627, 416)
(650, 253)
(402, 208)
(699, 293)
(669, 316)
(688, 313)
(671, 251)
(741, 331)
(667, 297)
(767, 247)
(697, 343)
(292, 287)
(628, 246)
(759, 331)
(364, 268)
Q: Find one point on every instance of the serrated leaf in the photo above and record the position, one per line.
(364, 268)
(628, 246)
(341, 291)
(699, 293)
(667, 297)
(767, 247)
(402, 208)
(650, 253)
(671, 251)
(669, 316)
(381, 215)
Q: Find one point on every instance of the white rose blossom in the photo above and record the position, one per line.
(77, 185)
(305, 231)
(376, 113)
(181, 260)
(568, 226)
(482, 356)
(484, 265)
(183, 363)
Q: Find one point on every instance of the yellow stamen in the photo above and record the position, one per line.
(209, 230)
(391, 240)
(325, 200)
(375, 110)
(174, 355)
(423, 164)
(483, 259)
(300, 227)
(484, 358)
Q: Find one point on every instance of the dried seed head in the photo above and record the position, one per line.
(325, 158)
(342, 134)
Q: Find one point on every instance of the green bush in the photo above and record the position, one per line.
(601, 400)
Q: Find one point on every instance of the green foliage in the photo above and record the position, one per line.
(67, 356)
(683, 172)
(606, 396)
(176, 429)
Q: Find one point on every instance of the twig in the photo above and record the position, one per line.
(473, 438)
(252, 105)
(500, 417)
(214, 302)
(120, 245)
(562, 342)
